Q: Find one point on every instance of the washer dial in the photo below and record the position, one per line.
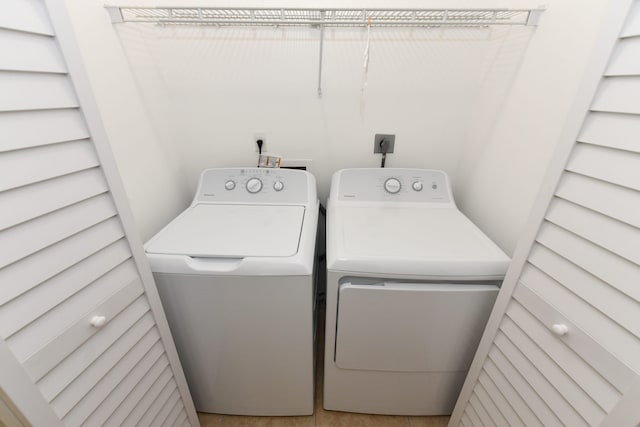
(417, 186)
(254, 185)
(230, 185)
(278, 185)
(392, 185)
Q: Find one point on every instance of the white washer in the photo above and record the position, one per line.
(410, 285)
(235, 272)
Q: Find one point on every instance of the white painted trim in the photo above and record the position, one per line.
(23, 392)
(71, 52)
(601, 52)
(625, 413)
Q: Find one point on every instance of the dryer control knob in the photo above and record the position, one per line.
(417, 186)
(392, 185)
(254, 185)
(230, 185)
(278, 185)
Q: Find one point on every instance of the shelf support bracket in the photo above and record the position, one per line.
(320, 56)
(115, 14)
(534, 17)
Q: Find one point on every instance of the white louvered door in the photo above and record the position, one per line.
(68, 252)
(562, 346)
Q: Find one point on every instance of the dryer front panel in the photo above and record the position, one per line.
(410, 327)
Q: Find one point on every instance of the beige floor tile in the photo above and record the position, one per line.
(239, 421)
(429, 421)
(326, 418)
(210, 420)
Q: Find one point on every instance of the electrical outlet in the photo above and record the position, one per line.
(263, 137)
(388, 145)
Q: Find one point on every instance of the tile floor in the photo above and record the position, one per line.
(321, 417)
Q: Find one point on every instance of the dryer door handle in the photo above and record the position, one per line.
(422, 286)
(214, 265)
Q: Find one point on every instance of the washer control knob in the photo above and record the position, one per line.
(417, 186)
(230, 185)
(254, 185)
(278, 185)
(392, 185)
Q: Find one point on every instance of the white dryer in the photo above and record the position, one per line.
(410, 285)
(235, 273)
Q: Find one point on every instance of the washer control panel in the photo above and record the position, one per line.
(390, 184)
(250, 185)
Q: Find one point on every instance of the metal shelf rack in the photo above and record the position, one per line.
(321, 18)
(325, 17)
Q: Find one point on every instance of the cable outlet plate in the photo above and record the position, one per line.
(303, 164)
(263, 137)
(389, 145)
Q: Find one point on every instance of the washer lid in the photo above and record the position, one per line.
(410, 240)
(211, 230)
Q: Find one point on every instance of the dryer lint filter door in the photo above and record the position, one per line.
(411, 327)
(232, 231)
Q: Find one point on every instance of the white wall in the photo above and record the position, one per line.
(152, 178)
(481, 110)
(504, 162)
(221, 85)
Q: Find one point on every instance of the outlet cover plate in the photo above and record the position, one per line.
(390, 142)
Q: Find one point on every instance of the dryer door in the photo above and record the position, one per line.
(411, 327)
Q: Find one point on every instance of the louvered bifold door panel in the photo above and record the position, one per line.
(582, 272)
(64, 254)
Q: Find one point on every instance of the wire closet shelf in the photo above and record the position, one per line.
(325, 17)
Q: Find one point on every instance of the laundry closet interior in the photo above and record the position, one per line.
(320, 213)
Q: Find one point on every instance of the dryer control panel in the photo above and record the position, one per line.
(392, 185)
(255, 185)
